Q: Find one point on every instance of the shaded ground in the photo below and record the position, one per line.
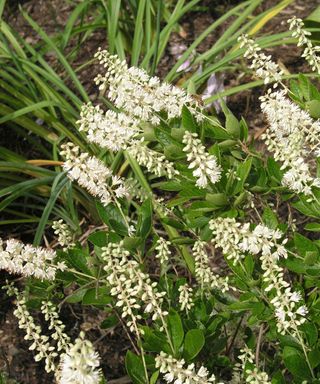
(15, 359)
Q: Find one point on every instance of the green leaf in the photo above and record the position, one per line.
(175, 329)
(296, 363)
(111, 215)
(312, 227)
(313, 108)
(99, 238)
(305, 246)
(242, 174)
(232, 125)
(274, 169)
(218, 199)
(77, 296)
(314, 357)
(154, 377)
(98, 296)
(311, 332)
(109, 322)
(135, 368)
(78, 258)
(188, 120)
(155, 341)
(193, 343)
(270, 218)
(145, 219)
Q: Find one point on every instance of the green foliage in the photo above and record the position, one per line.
(41, 104)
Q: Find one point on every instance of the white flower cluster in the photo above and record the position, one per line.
(203, 273)
(142, 96)
(185, 297)
(155, 162)
(80, 364)
(236, 239)
(50, 313)
(109, 129)
(227, 234)
(40, 343)
(24, 259)
(132, 288)
(163, 251)
(310, 52)
(252, 375)
(205, 166)
(262, 64)
(175, 371)
(63, 231)
(92, 174)
(291, 132)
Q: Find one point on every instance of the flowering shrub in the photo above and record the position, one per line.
(205, 254)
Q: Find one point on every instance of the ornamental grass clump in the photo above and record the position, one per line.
(198, 245)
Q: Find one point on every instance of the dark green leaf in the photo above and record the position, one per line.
(193, 343)
(135, 368)
(175, 329)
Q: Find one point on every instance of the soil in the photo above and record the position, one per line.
(15, 358)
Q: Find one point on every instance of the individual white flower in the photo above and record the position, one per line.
(205, 167)
(264, 67)
(152, 160)
(110, 130)
(310, 52)
(91, 174)
(255, 376)
(185, 297)
(65, 236)
(29, 261)
(175, 370)
(80, 364)
(142, 96)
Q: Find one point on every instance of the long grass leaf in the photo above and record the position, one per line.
(138, 33)
(57, 188)
(59, 54)
(24, 111)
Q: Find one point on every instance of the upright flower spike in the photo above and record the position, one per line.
(63, 231)
(262, 64)
(291, 135)
(176, 371)
(163, 251)
(310, 52)
(92, 174)
(185, 297)
(142, 96)
(203, 273)
(246, 369)
(205, 167)
(80, 364)
(29, 261)
(133, 289)
(109, 129)
(40, 343)
(152, 160)
(55, 324)
(236, 239)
